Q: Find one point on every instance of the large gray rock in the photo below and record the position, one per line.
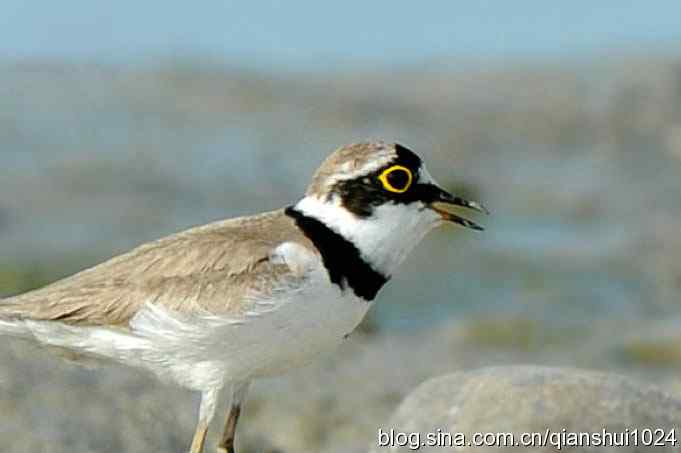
(529, 399)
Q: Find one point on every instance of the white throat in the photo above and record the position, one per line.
(385, 238)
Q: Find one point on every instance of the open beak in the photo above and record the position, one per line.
(446, 205)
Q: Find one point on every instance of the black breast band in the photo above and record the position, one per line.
(342, 258)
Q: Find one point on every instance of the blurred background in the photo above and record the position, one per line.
(124, 121)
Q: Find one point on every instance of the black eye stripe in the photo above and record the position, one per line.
(362, 195)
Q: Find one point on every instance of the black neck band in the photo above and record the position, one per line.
(341, 257)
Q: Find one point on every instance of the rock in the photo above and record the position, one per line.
(530, 399)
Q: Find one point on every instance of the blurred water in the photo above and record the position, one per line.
(308, 34)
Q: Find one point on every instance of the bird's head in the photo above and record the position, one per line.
(381, 198)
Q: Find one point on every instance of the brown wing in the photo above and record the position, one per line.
(208, 268)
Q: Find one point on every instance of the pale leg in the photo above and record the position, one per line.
(199, 438)
(206, 412)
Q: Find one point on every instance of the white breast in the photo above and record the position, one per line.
(302, 323)
(284, 329)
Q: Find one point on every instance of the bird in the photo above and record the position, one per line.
(216, 306)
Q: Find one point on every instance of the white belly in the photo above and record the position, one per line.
(286, 331)
(200, 352)
(299, 327)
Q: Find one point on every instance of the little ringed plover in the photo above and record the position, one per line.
(219, 305)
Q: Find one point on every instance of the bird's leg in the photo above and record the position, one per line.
(226, 444)
(206, 412)
(199, 439)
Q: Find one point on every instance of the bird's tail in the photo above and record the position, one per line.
(15, 328)
(85, 345)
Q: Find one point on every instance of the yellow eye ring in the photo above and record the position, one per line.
(388, 186)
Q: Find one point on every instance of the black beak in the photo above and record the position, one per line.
(445, 204)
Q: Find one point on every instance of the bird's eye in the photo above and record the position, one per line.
(396, 179)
